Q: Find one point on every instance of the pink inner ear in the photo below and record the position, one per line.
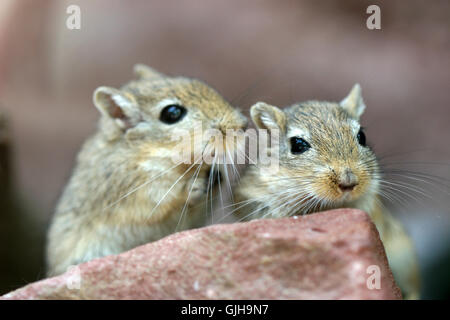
(115, 111)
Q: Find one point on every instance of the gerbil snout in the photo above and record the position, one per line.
(347, 180)
(233, 121)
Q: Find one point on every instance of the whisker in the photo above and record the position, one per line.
(196, 174)
(220, 189)
(141, 186)
(210, 188)
(170, 189)
(407, 186)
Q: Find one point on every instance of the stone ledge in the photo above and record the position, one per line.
(320, 256)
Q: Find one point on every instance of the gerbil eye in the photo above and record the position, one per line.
(361, 138)
(172, 114)
(299, 145)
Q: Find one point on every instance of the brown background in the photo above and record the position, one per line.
(277, 51)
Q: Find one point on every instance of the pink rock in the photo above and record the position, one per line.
(320, 256)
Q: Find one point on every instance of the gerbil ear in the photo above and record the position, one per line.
(117, 105)
(268, 117)
(144, 72)
(354, 103)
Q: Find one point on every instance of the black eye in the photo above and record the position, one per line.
(361, 138)
(172, 114)
(299, 145)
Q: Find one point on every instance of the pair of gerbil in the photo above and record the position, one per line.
(126, 190)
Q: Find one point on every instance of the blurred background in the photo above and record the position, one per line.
(280, 52)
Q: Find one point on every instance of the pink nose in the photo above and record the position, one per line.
(348, 181)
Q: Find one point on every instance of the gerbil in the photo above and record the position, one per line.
(125, 189)
(324, 163)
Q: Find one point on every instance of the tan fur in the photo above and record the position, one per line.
(309, 182)
(130, 147)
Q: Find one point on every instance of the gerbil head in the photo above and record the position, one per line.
(151, 110)
(324, 161)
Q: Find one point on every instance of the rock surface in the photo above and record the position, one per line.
(320, 256)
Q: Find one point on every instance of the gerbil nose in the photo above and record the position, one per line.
(347, 181)
(232, 121)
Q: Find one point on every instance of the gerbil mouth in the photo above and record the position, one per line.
(214, 176)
